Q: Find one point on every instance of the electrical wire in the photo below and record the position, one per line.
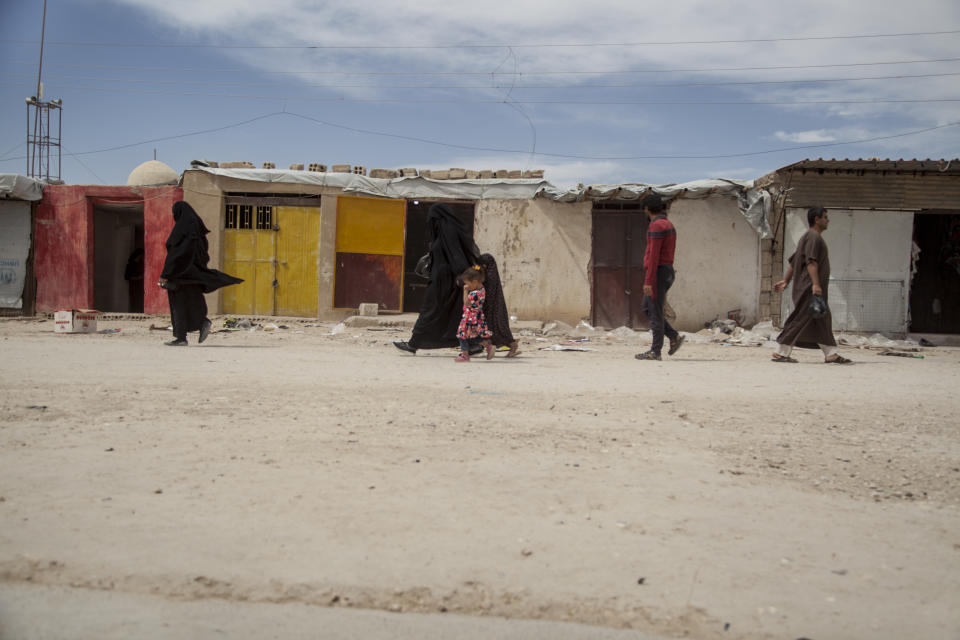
(515, 151)
(340, 99)
(494, 45)
(496, 86)
(487, 73)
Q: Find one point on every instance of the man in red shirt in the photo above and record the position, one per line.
(658, 265)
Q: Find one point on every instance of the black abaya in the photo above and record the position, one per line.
(186, 272)
(187, 253)
(452, 250)
(495, 305)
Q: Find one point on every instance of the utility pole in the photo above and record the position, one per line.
(41, 137)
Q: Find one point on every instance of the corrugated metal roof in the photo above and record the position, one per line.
(943, 166)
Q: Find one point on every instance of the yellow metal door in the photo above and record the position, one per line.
(370, 235)
(250, 254)
(298, 246)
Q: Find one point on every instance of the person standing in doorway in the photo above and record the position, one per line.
(658, 267)
(186, 276)
(810, 265)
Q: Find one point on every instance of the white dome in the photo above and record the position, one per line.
(151, 173)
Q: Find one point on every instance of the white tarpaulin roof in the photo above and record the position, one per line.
(17, 187)
(755, 204)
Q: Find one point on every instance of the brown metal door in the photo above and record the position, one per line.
(619, 241)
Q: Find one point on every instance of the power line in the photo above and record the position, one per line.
(492, 45)
(498, 87)
(498, 73)
(515, 151)
(514, 100)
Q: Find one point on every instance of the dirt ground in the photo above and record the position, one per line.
(712, 495)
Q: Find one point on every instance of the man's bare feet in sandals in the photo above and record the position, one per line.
(779, 358)
(838, 359)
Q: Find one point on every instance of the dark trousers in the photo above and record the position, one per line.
(653, 307)
(470, 345)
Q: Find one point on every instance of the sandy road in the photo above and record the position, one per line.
(714, 495)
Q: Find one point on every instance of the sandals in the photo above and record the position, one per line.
(463, 357)
(647, 355)
(514, 350)
(490, 349)
(839, 359)
(779, 358)
(675, 345)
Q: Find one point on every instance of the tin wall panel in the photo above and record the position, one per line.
(364, 277)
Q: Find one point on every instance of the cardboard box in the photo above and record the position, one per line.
(75, 321)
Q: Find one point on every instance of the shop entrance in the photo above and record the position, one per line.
(935, 289)
(118, 257)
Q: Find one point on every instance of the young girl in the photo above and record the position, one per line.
(473, 326)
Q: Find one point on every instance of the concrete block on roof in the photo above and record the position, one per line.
(516, 173)
(501, 173)
(383, 173)
(440, 175)
(245, 164)
(472, 175)
(426, 173)
(533, 173)
(457, 174)
(340, 168)
(486, 174)
(296, 167)
(269, 165)
(408, 172)
(316, 166)
(359, 170)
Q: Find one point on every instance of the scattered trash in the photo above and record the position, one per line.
(562, 347)
(926, 343)
(641, 580)
(270, 327)
(623, 333)
(876, 341)
(109, 331)
(38, 407)
(583, 329)
(576, 341)
(765, 329)
(725, 326)
(556, 327)
(154, 327)
(109, 449)
(903, 354)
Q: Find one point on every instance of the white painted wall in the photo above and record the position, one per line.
(543, 250)
(717, 262)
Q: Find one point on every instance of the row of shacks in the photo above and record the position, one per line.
(314, 244)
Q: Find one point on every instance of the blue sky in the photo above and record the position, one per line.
(599, 92)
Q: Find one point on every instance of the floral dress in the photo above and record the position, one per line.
(473, 324)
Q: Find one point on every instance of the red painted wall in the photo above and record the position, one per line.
(157, 224)
(63, 242)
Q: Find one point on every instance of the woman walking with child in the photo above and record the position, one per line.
(473, 325)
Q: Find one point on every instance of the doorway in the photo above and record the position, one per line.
(417, 243)
(619, 241)
(935, 290)
(118, 257)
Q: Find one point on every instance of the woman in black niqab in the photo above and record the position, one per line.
(452, 250)
(186, 277)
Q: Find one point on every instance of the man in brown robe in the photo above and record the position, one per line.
(810, 263)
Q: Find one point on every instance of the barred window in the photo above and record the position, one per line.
(264, 217)
(231, 220)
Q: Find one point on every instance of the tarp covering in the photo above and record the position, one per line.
(411, 187)
(17, 187)
(14, 249)
(755, 204)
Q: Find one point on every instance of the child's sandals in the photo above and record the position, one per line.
(490, 349)
(463, 357)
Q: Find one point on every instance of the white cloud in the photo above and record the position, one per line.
(804, 137)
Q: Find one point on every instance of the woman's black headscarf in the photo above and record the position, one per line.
(188, 253)
(452, 250)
